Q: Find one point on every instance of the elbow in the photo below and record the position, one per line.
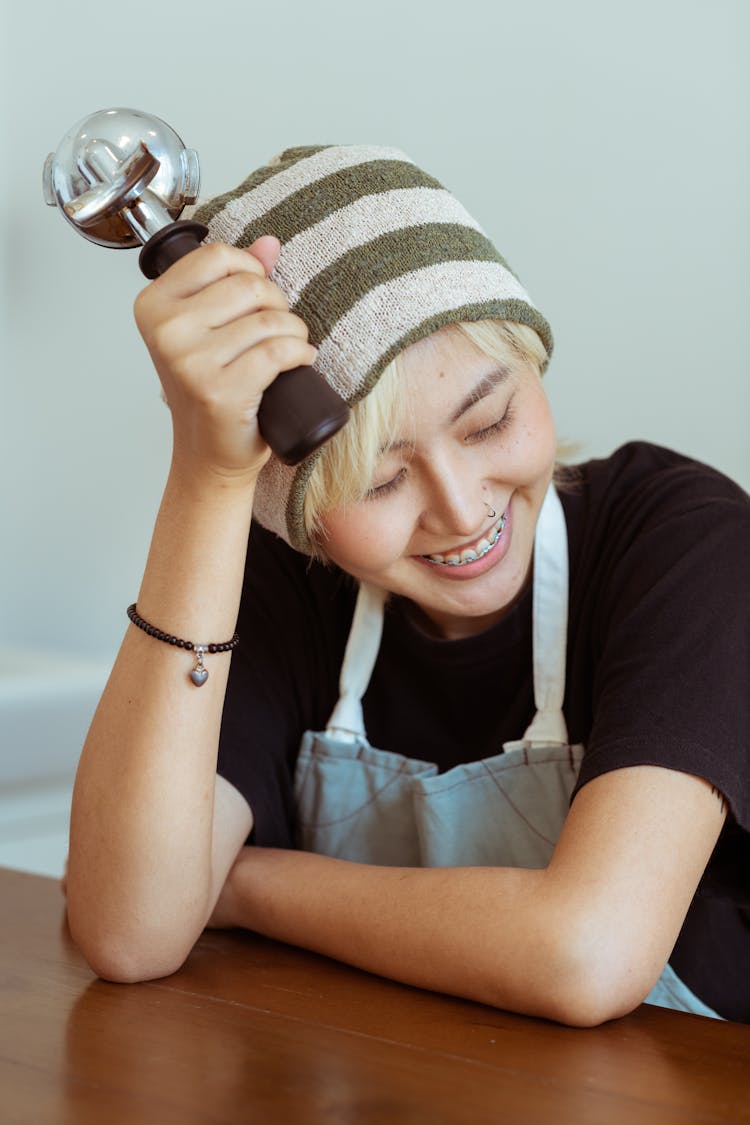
(125, 954)
(596, 985)
(574, 972)
(589, 1004)
(127, 967)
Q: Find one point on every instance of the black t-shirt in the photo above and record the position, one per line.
(658, 672)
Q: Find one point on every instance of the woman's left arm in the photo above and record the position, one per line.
(581, 941)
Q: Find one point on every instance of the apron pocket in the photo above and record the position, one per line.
(504, 811)
(354, 801)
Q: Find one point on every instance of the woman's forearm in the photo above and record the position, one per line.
(583, 940)
(486, 934)
(141, 821)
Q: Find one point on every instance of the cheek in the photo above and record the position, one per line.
(536, 440)
(364, 540)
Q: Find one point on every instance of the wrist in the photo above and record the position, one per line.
(192, 584)
(199, 480)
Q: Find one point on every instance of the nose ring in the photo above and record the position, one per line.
(490, 510)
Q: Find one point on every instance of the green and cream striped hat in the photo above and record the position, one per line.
(375, 254)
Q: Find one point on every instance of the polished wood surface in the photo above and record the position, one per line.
(250, 1030)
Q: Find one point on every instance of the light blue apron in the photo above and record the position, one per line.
(359, 803)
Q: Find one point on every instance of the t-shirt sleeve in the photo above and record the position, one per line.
(283, 677)
(671, 625)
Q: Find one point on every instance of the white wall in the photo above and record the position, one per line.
(603, 146)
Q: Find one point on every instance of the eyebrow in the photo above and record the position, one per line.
(484, 387)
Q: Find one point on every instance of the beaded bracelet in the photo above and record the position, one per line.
(199, 674)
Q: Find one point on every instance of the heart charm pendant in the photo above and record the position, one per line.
(199, 675)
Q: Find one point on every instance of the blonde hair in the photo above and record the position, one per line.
(345, 467)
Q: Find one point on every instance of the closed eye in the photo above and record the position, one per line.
(490, 431)
(389, 486)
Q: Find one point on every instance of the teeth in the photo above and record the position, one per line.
(471, 554)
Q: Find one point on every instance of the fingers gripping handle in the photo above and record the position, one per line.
(168, 244)
(299, 412)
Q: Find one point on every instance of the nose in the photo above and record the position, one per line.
(454, 498)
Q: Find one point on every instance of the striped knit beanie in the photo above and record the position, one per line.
(375, 254)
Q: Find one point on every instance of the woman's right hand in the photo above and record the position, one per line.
(219, 332)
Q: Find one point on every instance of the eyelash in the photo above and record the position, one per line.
(389, 486)
(495, 428)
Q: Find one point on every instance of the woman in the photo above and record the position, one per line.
(530, 786)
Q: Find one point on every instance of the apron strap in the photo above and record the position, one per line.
(346, 723)
(550, 622)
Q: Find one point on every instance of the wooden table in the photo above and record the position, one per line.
(254, 1031)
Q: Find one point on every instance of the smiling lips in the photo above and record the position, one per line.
(471, 554)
